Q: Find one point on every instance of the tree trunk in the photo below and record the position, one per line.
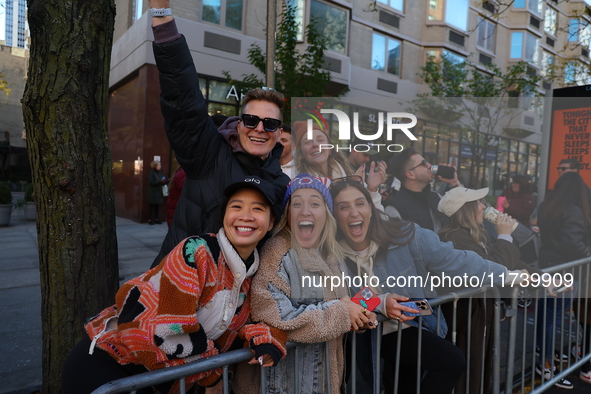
(65, 114)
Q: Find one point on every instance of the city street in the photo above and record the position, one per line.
(20, 293)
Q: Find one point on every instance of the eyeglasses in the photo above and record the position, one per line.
(252, 121)
(352, 178)
(563, 168)
(422, 163)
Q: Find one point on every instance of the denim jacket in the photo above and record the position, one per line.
(422, 259)
(312, 316)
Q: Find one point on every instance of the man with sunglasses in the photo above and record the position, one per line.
(212, 159)
(568, 165)
(415, 201)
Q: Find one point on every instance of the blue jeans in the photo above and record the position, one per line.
(549, 323)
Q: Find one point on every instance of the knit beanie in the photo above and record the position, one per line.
(300, 128)
(307, 181)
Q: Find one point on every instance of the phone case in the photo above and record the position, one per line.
(366, 298)
(422, 305)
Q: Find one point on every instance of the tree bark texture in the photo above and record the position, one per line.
(65, 113)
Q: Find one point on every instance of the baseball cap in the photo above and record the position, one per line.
(254, 182)
(455, 199)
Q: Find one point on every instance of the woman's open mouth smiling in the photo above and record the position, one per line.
(356, 228)
(306, 228)
(245, 230)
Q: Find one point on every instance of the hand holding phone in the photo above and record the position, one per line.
(421, 305)
(410, 304)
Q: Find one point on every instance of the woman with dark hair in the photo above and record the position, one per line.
(466, 231)
(564, 218)
(519, 203)
(385, 249)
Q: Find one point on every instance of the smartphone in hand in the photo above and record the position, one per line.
(421, 305)
(366, 298)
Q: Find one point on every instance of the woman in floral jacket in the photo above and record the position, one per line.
(193, 305)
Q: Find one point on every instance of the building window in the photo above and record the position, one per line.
(524, 46)
(570, 73)
(226, 13)
(547, 64)
(535, 6)
(550, 21)
(586, 36)
(299, 16)
(456, 12)
(486, 35)
(575, 73)
(435, 55)
(138, 7)
(385, 54)
(396, 4)
(573, 30)
(332, 23)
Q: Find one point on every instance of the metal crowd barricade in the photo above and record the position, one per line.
(568, 336)
(513, 353)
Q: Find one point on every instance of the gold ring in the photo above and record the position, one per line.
(364, 311)
(397, 318)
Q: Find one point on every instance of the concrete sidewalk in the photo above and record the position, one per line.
(20, 293)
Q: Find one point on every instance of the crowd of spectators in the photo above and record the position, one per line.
(259, 207)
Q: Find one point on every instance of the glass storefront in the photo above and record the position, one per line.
(221, 96)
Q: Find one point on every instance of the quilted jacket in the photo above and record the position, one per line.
(211, 160)
(193, 305)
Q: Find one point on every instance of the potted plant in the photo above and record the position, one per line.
(5, 204)
(30, 208)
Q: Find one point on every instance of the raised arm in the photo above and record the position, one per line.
(190, 130)
(160, 4)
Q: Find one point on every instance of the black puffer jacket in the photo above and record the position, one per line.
(563, 239)
(207, 157)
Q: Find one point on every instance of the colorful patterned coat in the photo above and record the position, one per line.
(193, 305)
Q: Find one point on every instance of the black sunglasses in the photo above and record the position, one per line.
(252, 121)
(563, 168)
(422, 163)
(353, 178)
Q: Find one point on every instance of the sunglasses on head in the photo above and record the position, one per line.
(350, 178)
(252, 121)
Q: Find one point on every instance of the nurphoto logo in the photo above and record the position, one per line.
(392, 124)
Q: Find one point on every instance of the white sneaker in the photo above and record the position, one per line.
(585, 376)
(547, 371)
(557, 357)
(562, 383)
